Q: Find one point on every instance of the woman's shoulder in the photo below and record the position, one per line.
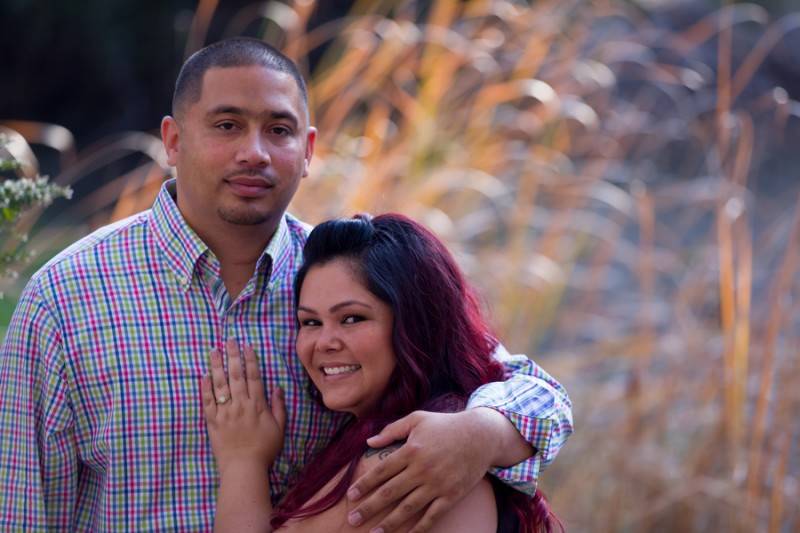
(476, 512)
(335, 518)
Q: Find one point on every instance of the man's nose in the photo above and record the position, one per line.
(253, 151)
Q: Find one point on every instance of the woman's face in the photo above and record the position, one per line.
(345, 338)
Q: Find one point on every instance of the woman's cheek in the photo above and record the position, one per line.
(304, 347)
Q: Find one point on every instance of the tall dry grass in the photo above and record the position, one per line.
(599, 179)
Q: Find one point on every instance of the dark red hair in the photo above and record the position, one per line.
(442, 344)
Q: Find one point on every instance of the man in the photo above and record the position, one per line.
(100, 416)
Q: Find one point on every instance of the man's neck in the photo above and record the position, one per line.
(237, 248)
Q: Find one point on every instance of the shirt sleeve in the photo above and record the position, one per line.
(38, 459)
(539, 408)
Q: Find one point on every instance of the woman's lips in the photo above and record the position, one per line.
(339, 371)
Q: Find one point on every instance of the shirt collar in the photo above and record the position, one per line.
(277, 255)
(183, 247)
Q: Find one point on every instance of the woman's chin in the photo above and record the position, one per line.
(339, 408)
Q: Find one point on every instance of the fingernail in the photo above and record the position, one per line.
(353, 493)
(354, 518)
(377, 530)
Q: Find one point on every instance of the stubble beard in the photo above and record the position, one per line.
(242, 216)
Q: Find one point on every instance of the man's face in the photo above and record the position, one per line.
(241, 150)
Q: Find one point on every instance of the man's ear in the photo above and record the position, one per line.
(170, 134)
(310, 139)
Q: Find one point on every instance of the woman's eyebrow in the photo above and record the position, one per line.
(349, 302)
(336, 307)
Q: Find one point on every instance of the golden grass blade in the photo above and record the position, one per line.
(199, 27)
(777, 309)
(777, 496)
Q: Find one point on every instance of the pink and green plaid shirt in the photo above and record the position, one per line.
(101, 425)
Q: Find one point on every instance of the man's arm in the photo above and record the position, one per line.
(538, 408)
(38, 459)
(527, 418)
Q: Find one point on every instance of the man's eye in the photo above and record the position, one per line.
(226, 126)
(283, 131)
(352, 319)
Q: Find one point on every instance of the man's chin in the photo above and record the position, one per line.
(243, 217)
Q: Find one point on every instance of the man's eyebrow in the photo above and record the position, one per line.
(284, 115)
(227, 109)
(235, 110)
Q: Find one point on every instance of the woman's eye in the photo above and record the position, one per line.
(309, 322)
(352, 319)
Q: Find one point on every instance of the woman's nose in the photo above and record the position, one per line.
(329, 340)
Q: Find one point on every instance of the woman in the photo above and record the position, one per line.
(387, 326)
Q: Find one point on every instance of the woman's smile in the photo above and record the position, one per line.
(339, 371)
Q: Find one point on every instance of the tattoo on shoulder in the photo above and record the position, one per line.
(383, 453)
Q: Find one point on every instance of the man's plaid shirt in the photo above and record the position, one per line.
(101, 426)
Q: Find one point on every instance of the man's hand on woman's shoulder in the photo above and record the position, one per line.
(444, 457)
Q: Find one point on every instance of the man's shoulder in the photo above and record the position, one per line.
(117, 234)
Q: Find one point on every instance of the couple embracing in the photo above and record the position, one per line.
(208, 364)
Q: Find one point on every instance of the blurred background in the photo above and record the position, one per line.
(619, 178)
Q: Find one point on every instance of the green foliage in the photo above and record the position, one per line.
(19, 195)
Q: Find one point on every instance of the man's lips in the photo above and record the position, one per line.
(249, 187)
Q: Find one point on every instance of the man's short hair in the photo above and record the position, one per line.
(234, 52)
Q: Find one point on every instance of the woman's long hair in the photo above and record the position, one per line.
(442, 345)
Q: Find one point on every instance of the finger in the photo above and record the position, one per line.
(387, 495)
(209, 405)
(237, 383)
(255, 387)
(279, 408)
(218, 378)
(397, 430)
(412, 505)
(434, 512)
(376, 478)
(378, 474)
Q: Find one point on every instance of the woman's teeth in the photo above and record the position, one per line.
(334, 370)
